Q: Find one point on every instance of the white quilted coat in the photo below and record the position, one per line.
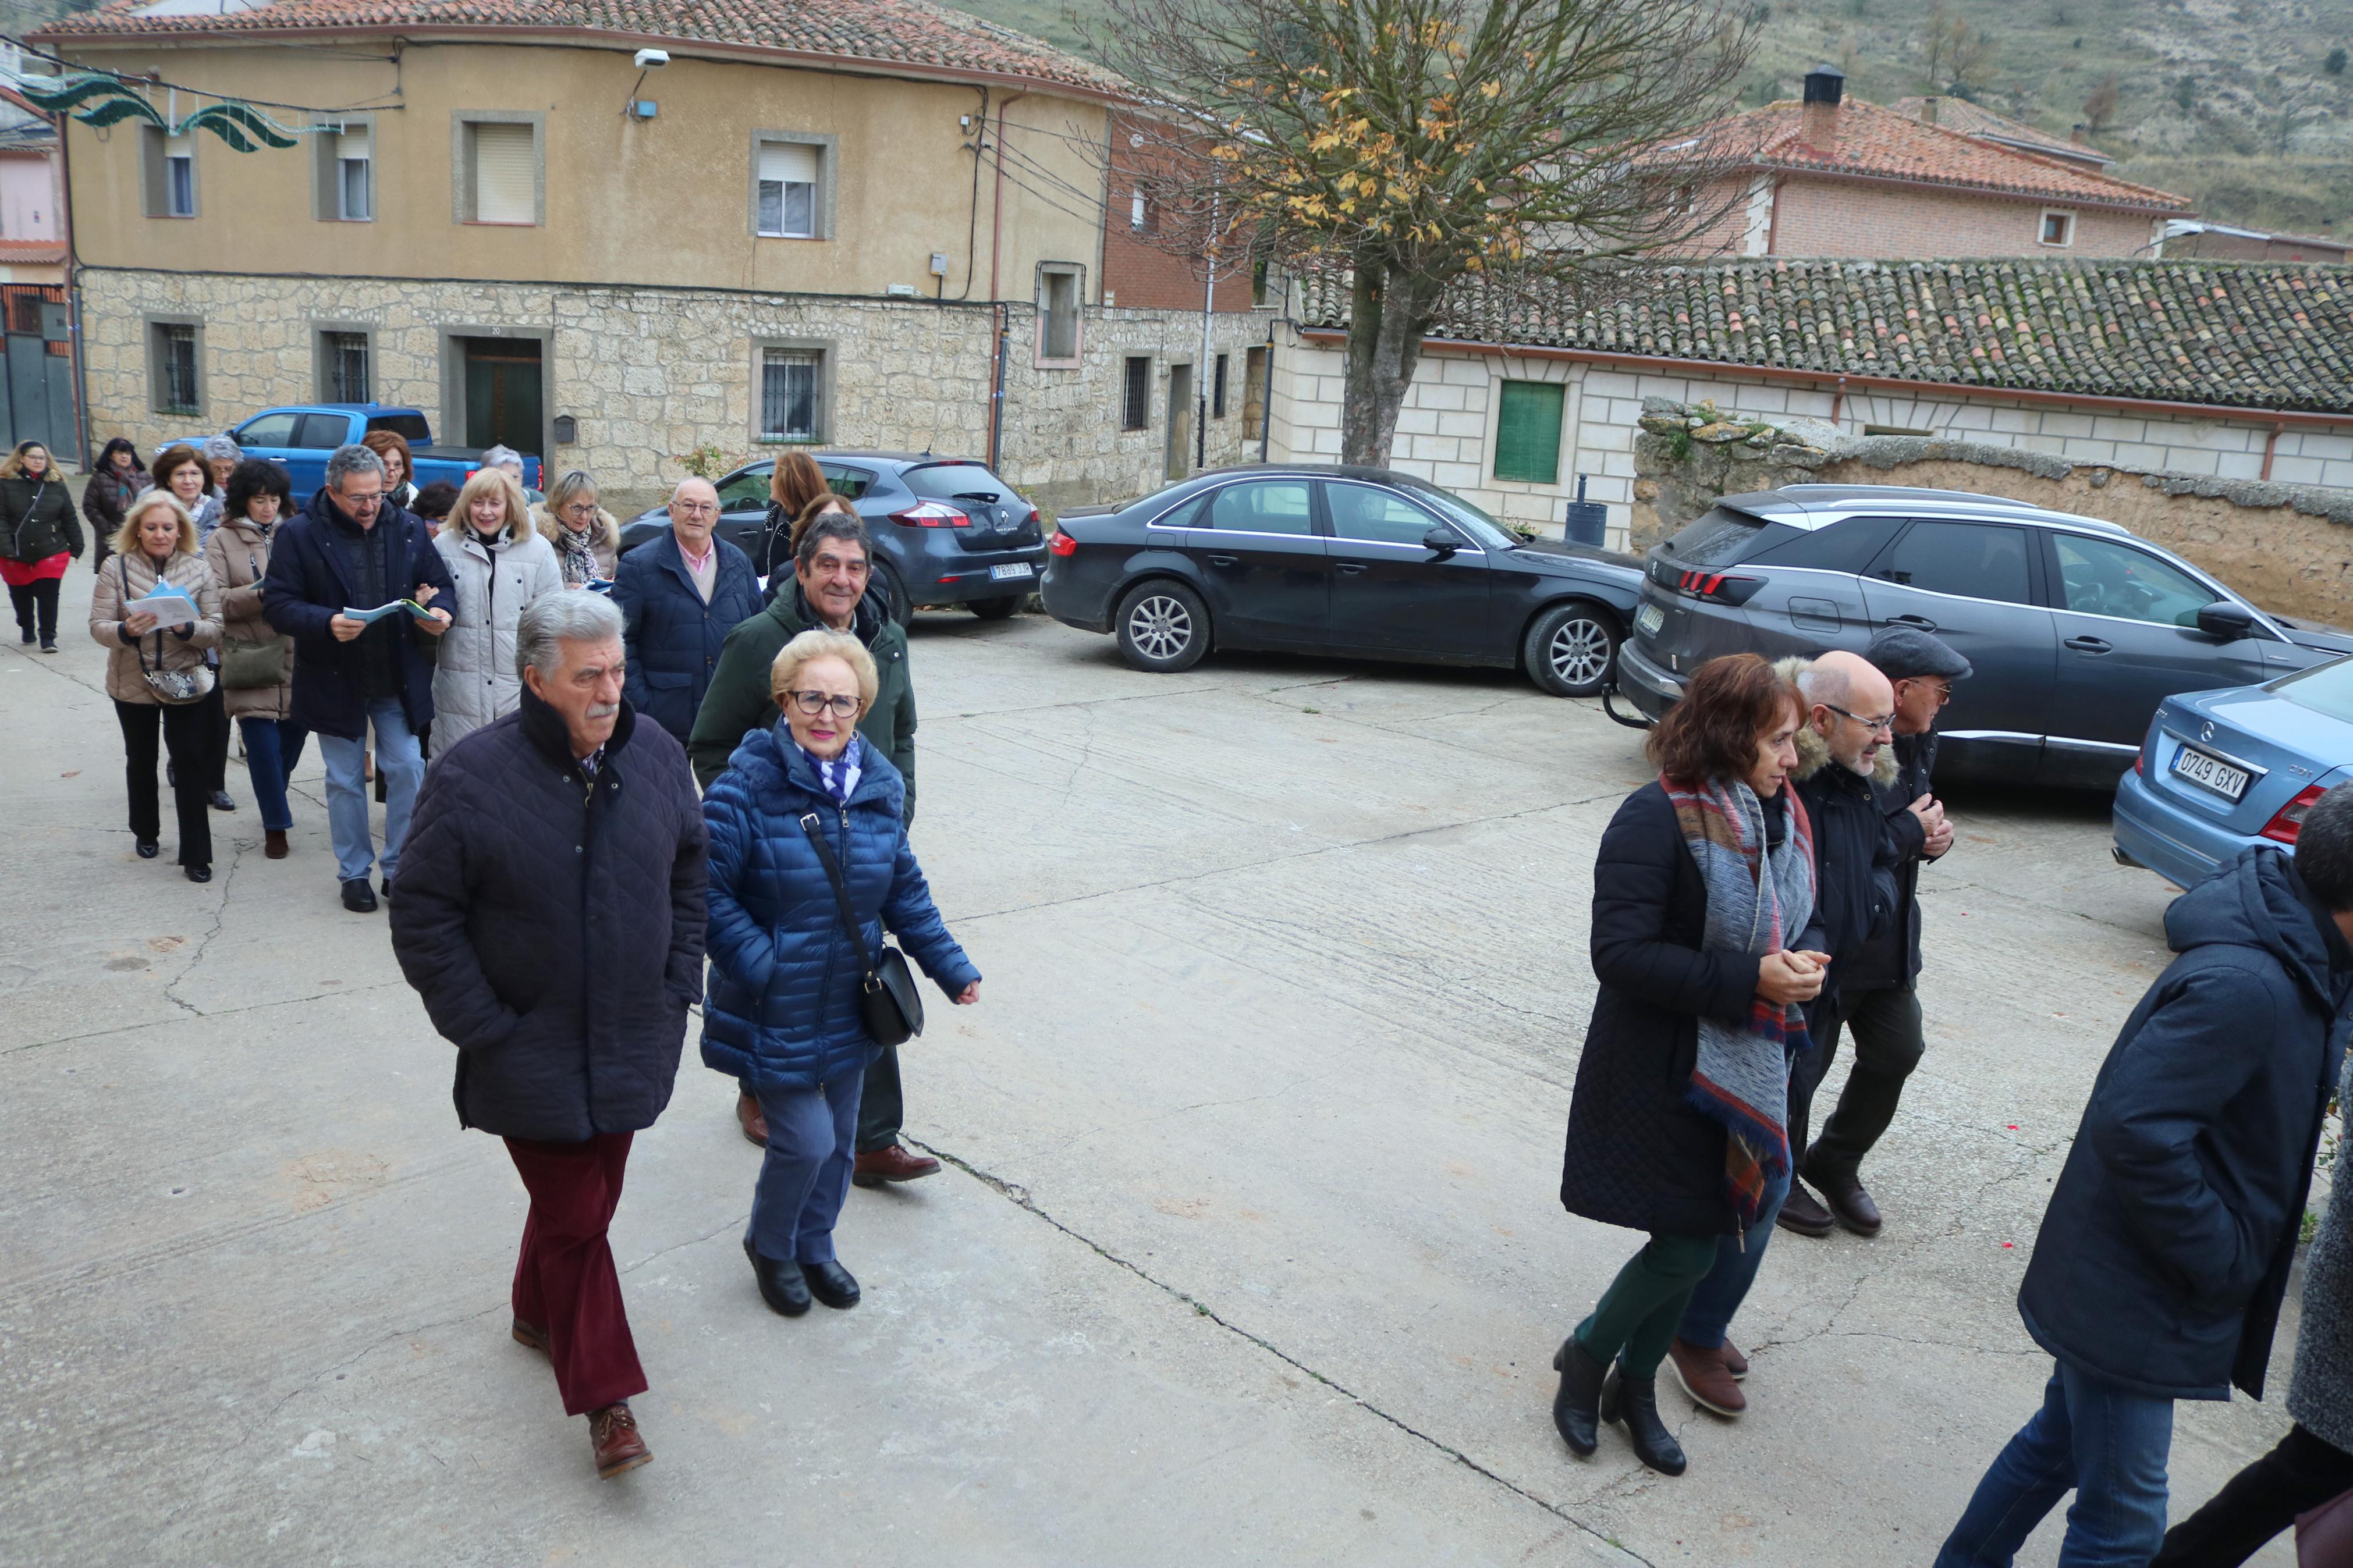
(475, 680)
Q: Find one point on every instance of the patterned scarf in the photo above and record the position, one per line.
(839, 773)
(1742, 1076)
(579, 556)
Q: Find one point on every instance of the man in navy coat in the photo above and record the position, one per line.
(2165, 1252)
(679, 594)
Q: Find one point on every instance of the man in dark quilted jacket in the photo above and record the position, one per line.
(550, 911)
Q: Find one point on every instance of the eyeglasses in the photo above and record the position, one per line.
(815, 702)
(363, 502)
(581, 509)
(696, 508)
(1943, 689)
(1887, 723)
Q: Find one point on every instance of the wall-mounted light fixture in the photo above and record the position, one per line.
(647, 60)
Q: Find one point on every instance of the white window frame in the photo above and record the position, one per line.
(327, 171)
(2067, 217)
(827, 149)
(1070, 277)
(819, 351)
(462, 187)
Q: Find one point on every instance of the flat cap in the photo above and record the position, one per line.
(1907, 653)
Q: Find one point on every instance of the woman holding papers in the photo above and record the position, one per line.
(156, 610)
(500, 563)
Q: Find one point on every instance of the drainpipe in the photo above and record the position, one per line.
(1266, 398)
(73, 290)
(1837, 402)
(2271, 445)
(997, 301)
(996, 396)
(1201, 383)
(996, 222)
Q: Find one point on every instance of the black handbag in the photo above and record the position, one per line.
(887, 1002)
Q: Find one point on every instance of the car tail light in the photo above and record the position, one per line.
(931, 514)
(1716, 587)
(1061, 544)
(2282, 828)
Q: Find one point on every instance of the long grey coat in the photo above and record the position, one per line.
(2320, 1395)
(475, 680)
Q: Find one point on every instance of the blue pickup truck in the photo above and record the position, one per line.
(300, 438)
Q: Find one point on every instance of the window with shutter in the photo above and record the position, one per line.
(788, 176)
(1527, 431)
(355, 175)
(179, 177)
(506, 173)
(788, 394)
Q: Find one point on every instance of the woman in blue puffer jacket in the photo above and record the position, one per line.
(782, 1015)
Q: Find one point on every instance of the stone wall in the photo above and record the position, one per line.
(2287, 547)
(653, 375)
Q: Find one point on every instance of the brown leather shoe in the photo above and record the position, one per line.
(1733, 1361)
(1705, 1377)
(535, 1339)
(747, 1115)
(273, 843)
(613, 1435)
(1853, 1208)
(896, 1163)
(1803, 1214)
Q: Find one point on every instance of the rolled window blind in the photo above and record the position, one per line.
(505, 175)
(788, 163)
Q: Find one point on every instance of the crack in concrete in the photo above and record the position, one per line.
(1019, 1196)
(205, 943)
(222, 1013)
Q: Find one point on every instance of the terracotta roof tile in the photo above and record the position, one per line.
(1976, 119)
(1876, 142)
(2238, 334)
(885, 32)
(31, 250)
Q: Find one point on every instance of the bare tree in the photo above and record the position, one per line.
(2100, 106)
(1531, 144)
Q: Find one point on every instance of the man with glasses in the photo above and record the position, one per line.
(833, 568)
(352, 548)
(679, 594)
(1876, 1000)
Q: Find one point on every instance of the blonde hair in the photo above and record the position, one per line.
(480, 482)
(126, 538)
(549, 514)
(817, 644)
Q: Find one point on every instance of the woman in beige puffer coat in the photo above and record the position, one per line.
(158, 542)
(500, 563)
(257, 499)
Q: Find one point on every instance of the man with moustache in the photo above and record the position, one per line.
(551, 920)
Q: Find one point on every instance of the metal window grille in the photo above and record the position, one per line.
(347, 367)
(1135, 401)
(1217, 388)
(788, 394)
(176, 367)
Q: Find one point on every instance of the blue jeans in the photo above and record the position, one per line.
(2107, 1445)
(812, 1144)
(272, 748)
(403, 766)
(1738, 1258)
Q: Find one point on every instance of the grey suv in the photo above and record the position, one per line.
(2077, 629)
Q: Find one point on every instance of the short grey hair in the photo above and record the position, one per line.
(221, 449)
(349, 460)
(569, 615)
(499, 456)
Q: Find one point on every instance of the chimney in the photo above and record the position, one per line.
(1825, 86)
(1928, 111)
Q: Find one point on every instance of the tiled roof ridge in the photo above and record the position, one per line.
(2237, 334)
(917, 33)
(1999, 126)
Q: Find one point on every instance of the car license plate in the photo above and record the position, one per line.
(2212, 772)
(1649, 619)
(1008, 573)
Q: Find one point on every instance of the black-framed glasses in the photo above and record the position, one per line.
(1887, 723)
(816, 703)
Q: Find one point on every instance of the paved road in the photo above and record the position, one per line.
(1249, 1250)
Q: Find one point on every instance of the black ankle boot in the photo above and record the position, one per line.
(1636, 1402)
(783, 1286)
(1576, 1408)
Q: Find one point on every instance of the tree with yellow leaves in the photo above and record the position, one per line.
(1415, 144)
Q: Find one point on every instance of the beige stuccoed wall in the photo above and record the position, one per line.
(660, 202)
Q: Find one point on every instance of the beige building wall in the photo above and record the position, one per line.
(665, 201)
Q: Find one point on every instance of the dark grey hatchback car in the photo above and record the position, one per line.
(2076, 628)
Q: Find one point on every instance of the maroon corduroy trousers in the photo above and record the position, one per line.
(564, 1284)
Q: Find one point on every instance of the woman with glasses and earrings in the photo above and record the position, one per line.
(1702, 939)
(256, 672)
(810, 866)
(399, 467)
(37, 535)
(585, 536)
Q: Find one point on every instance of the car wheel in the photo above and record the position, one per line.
(1162, 627)
(997, 609)
(1571, 649)
(887, 582)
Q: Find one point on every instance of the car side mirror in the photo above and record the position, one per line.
(1441, 541)
(2225, 622)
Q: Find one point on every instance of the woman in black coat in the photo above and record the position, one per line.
(118, 478)
(1702, 894)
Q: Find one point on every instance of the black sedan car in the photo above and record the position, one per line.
(946, 530)
(1320, 558)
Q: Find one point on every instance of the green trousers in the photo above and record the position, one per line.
(1640, 1312)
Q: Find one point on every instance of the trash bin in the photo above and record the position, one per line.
(1585, 521)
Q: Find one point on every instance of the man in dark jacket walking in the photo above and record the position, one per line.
(2165, 1252)
(680, 595)
(831, 571)
(1875, 1002)
(352, 548)
(553, 921)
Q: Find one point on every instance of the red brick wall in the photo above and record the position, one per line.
(1142, 277)
(1846, 217)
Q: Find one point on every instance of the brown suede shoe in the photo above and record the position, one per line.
(747, 1115)
(534, 1338)
(896, 1163)
(1733, 1361)
(1803, 1214)
(1704, 1377)
(613, 1435)
(273, 843)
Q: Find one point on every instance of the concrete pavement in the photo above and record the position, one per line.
(1249, 1248)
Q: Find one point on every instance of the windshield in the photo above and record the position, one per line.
(1484, 531)
(2326, 689)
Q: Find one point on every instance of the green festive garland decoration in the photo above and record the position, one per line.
(102, 100)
